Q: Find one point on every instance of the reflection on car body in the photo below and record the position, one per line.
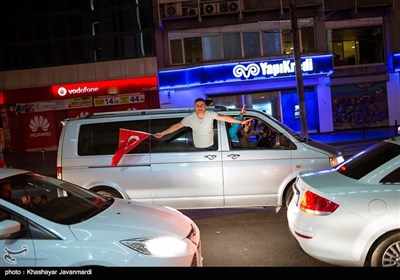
(72, 226)
(350, 215)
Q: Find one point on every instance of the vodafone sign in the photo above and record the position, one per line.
(134, 85)
(62, 91)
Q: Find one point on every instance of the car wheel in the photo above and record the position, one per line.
(109, 193)
(387, 252)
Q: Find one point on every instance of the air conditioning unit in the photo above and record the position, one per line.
(233, 6)
(190, 12)
(229, 7)
(173, 9)
(210, 8)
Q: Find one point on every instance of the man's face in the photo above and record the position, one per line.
(6, 191)
(200, 106)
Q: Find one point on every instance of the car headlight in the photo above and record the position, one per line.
(164, 246)
(333, 161)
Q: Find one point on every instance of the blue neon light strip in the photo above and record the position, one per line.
(243, 71)
(396, 62)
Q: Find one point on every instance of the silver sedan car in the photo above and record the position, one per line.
(349, 215)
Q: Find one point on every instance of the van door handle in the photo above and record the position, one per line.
(210, 157)
(234, 156)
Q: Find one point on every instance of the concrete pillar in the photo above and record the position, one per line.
(324, 105)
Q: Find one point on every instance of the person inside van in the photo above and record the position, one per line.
(234, 129)
(246, 133)
(201, 123)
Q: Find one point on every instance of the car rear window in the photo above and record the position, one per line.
(367, 161)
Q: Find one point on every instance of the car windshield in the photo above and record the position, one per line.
(54, 199)
(363, 163)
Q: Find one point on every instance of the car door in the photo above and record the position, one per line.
(253, 174)
(18, 249)
(183, 176)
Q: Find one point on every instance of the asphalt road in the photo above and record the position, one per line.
(251, 237)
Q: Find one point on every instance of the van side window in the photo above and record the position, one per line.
(179, 141)
(103, 138)
(259, 135)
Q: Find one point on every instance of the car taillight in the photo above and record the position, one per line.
(314, 204)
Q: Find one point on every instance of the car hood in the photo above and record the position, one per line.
(324, 147)
(128, 219)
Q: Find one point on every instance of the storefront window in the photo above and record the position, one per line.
(268, 102)
(356, 106)
(354, 46)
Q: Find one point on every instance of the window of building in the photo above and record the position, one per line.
(271, 42)
(265, 39)
(176, 51)
(212, 47)
(307, 39)
(112, 30)
(352, 46)
(193, 50)
(232, 46)
(251, 44)
(287, 41)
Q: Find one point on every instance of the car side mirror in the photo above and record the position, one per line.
(9, 228)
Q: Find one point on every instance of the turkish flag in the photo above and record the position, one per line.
(128, 139)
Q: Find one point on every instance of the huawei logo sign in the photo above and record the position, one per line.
(39, 123)
(82, 114)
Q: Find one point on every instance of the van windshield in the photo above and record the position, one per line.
(286, 128)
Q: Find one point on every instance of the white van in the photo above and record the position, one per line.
(170, 171)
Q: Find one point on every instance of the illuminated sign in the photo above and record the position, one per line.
(396, 62)
(244, 71)
(267, 69)
(134, 85)
(62, 91)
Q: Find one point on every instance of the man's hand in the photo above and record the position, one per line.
(26, 199)
(246, 121)
(243, 111)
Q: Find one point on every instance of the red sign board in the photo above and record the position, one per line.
(40, 130)
(110, 87)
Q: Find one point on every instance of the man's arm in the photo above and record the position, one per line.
(230, 119)
(169, 130)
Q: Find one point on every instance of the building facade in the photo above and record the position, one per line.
(69, 58)
(212, 39)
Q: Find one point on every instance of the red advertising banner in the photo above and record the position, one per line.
(81, 113)
(39, 131)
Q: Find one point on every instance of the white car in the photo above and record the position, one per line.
(61, 224)
(349, 215)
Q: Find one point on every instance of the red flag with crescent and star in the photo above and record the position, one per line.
(128, 139)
